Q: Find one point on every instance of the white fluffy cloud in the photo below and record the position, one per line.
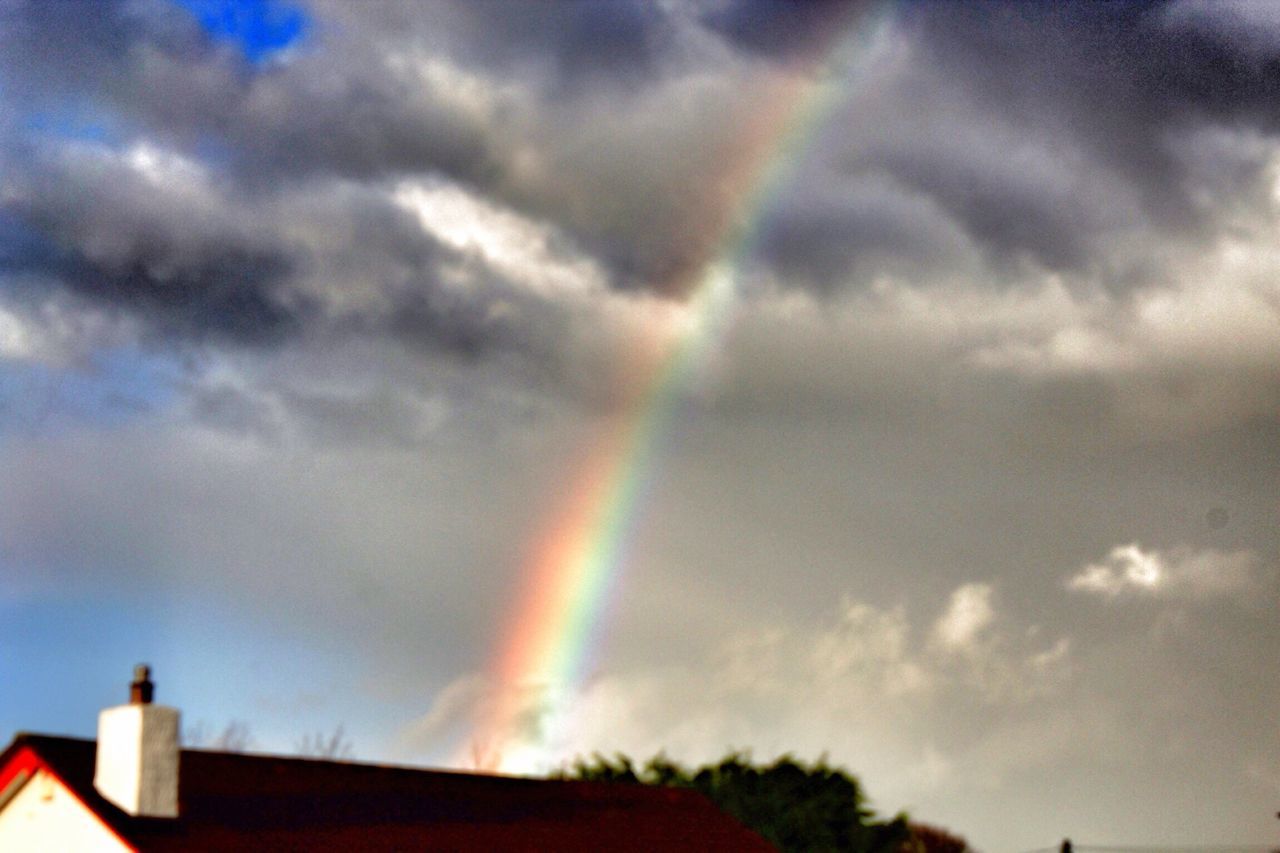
(15, 337)
(965, 619)
(870, 677)
(1182, 573)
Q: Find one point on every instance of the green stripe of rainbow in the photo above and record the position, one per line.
(577, 562)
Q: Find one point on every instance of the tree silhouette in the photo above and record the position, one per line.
(794, 805)
(234, 737)
(320, 745)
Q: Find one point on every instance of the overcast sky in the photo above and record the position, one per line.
(308, 310)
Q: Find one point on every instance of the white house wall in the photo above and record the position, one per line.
(46, 816)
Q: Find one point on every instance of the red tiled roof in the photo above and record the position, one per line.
(230, 801)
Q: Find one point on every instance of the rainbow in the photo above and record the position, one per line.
(570, 576)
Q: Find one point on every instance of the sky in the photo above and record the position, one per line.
(313, 313)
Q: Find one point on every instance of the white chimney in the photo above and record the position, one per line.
(137, 766)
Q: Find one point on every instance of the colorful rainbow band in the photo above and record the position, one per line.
(576, 564)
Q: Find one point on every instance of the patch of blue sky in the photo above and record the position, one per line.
(19, 244)
(260, 29)
(225, 664)
(75, 123)
(213, 152)
(70, 654)
(67, 657)
(117, 386)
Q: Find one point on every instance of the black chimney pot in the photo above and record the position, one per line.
(141, 690)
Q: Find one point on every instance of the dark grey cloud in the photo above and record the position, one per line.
(145, 68)
(1043, 131)
(1119, 82)
(315, 139)
(473, 92)
(624, 38)
(852, 228)
(111, 241)
(783, 28)
(196, 258)
(1040, 130)
(1005, 210)
(229, 294)
(986, 142)
(55, 55)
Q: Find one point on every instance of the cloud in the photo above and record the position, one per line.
(967, 616)
(570, 40)
(779, 28)
(1263, 772)
(860, 669)
(1179, 573)
(144, 232)
(1247, 25)
(16, 338)
(193, 259)
(1160, 77)
(523, 250)
(918, 182)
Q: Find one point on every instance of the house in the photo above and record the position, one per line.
(134, 789)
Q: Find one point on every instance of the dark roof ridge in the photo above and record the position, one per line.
(232, 800)
(310, 761)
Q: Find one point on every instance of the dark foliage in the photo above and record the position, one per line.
(796, 806)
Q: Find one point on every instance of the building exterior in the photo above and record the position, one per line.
(134, 789)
